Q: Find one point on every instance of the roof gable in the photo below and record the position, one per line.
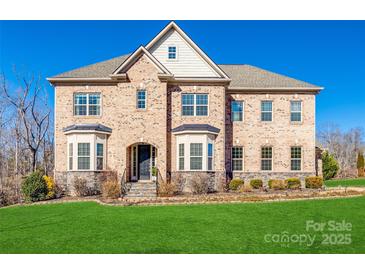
(135, 56)
(191, 61)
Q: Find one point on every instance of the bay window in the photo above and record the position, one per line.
(83, 156)
(196, 156)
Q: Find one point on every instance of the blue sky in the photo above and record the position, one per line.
(326, 53)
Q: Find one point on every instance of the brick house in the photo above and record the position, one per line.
(169, 106)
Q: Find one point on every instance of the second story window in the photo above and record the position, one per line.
(87, 104)
(295, 111)
(172, 53)
(141, 99)
(195, 104)
(237, 110)
(266, 111)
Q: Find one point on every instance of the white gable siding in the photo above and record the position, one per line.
(188, 63)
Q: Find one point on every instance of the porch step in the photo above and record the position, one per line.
(141, 190)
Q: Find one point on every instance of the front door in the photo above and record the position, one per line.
(144, 154)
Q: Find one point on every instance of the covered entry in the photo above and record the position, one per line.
(142, 159)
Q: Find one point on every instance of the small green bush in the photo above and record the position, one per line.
(34, 187)
(293, 183)
(330, 166)
(277, 184)
(235, 183)
(314, 182)
(256, 183)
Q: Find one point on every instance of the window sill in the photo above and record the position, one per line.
(88, 116)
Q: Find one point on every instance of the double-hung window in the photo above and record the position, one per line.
(210, 156)
(181, 157)
(266, 111)
(296, 158)
(141, 99)
(295, 111)
(87, 104)
(237, 158)
(172, 53)
(99, 156)
(266, 158)
(196, 156)
(194, 104)
(83, 156)
(237, 110)
(70, 156)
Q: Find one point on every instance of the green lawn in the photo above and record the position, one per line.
(87, 227)
(346, 182)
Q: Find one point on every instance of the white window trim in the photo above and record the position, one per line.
(69, 156)
(266, 111)
(83, 156)
(301, 159)
(195, 105)
(301, 112)
(212, 157)
(87, 104)
(242, 159)
(96, 156)
(145, 100)
(187, 139)
(272, 159)
(180, 157)
(243, 111)
(93, 140)
(176, 54)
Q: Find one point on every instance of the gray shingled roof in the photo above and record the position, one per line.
(195, 127)
(96, 127)
(248, 76)
(100, 69)
(242, 76)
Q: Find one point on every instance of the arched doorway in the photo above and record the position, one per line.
(142, 162)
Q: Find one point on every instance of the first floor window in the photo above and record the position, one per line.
(210, 156)
(237, 158)
(87, 104)
(70, 156)
(181, 157)
(266, 158)
(266, 111)
(99, 156)
(83, 156)
(296, 158)
(141, 99)
(237, 110)
(295, 111)
(196, 156)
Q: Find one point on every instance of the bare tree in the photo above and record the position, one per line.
(32, 113)
(344, 146)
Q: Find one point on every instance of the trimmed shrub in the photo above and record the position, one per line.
(256, 183)
(178, 182)
(245, 188)
(51, 187)
(330, 166)
(293, 183)
(80, 186)
(360, 164)
(111, 189)
(277, 184)
(236, 183)
(314, 182)
(34, 187)
(200, 184)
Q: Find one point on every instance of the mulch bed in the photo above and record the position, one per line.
(216, 198)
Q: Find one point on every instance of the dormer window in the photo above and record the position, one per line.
(172, 53)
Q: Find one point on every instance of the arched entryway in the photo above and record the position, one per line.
(141, 158)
